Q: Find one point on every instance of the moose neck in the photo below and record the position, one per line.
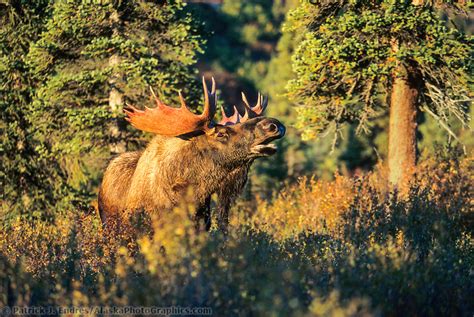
(174, 166)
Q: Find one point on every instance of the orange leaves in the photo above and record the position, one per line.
(320, 206)
(309, 206)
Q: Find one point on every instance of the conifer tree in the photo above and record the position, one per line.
(25, 178)
(89, 60)
(319, 157)
(358, 57)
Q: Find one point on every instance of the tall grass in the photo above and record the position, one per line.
(343, 247)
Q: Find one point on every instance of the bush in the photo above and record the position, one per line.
(342, 247)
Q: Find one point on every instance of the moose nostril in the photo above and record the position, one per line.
(272, 127)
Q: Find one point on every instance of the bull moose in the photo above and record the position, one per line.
(189, 151)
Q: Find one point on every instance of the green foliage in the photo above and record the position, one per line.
(351, 50)
(302, 157)
(28, 180)
(243, 36)
(79, 55)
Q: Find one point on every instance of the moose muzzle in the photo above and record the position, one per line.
(267, 130)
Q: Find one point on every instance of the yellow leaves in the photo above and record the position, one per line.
(311, 205)
(320, 206)
(332, 305)
(78, 297)
(221, 263)
(120, 270)
(147, 250)
(308, 135)
(179, 232)
(122, 251)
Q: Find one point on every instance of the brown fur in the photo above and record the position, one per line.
(228, 193)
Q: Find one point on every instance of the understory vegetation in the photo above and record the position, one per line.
(318, 248)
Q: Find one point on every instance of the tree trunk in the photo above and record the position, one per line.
(115, 104)
(402, 131)
(402, 128)
(115, 96)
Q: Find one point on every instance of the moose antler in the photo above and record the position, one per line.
(250, 112)
(165, 120)
(230, 120)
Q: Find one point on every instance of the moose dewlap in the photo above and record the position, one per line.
(189, 152)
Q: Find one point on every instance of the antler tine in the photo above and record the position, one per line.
(214, 93)
(247, 109)
(158, 102)
(213, 90)
(255, 111)
(181, 99)
(262, 102)
(209, 106)
(206, 92)
(244, 98)
(129, 109)
(246, 116)
(230, 120)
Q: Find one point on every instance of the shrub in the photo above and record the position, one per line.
(342, 247)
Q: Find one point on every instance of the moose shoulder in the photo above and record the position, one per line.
(189, 152)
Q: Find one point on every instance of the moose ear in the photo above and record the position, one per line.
(217, 131)
(211, 130)
(214, 129)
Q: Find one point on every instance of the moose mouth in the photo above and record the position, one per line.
(271, 129)
(265, 148)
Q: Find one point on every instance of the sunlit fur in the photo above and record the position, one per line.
(172, 169)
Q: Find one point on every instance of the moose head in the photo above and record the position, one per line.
(238, 137)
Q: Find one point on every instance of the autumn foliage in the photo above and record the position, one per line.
(345, 246)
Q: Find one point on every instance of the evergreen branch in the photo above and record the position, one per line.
(444, 125)
(442, 100)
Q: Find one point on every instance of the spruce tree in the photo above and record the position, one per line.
(359, 57)
(302, 156)
(90, 59)
(25, 178)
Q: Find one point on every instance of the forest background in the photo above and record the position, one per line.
(69, 69)
(319, 213)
